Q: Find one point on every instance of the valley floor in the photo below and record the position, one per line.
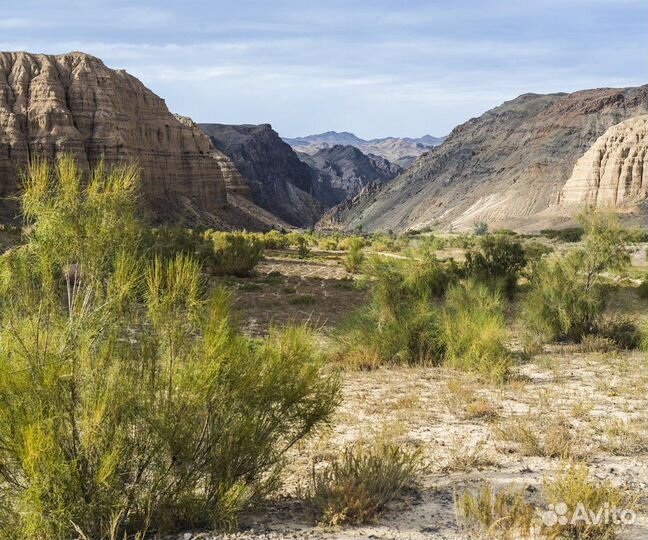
(469, 432)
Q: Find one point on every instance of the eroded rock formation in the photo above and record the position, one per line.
(613, 173)
(73, 103)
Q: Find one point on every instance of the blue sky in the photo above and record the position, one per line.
(374, 67)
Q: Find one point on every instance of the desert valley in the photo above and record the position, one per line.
(215, 331)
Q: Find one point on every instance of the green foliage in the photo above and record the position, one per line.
(398, 326)
(497, 261)
(480, 228)
(354, 257)
(567, 298)
(236, 253)
(275, 240)
(570, 234)
(128, 400)
(358, 485)
(474, 332)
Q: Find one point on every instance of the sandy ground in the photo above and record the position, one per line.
(457, 421)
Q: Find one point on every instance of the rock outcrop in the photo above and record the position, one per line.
(278, 180)
(613, 173)
(74, 104)
(401, 151)
(343, 171)
(508, 167)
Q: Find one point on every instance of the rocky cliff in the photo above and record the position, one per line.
(613, 173)
(508, 167)
(73, 103)
(343, 171)
(279, 182)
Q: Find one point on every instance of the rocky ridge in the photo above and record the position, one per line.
(401, 151)
(74, 104)
(508, 167)
(278, 181)
(343, 171)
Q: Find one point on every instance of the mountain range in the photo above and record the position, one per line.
(529, 163)
(402, 151)
(510, 167)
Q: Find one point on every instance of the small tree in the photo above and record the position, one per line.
(497, 261)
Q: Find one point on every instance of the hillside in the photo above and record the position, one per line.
(508, 167)
(343, 171)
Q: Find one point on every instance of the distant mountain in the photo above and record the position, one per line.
(402, 151)
(279, 181)
(342, 171)
(510, 167)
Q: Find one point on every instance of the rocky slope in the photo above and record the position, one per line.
(343, 171)
(73, 103)
(614, 171)
(279, 182)
(402, 151)
(508, 167)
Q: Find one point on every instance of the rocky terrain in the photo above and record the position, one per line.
(74, 104)
(402, 151)
(507, 168)
(279, 182)
(614, 171)
(343, 171)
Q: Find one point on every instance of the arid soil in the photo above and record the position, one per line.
(462, 425)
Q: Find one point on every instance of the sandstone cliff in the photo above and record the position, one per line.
(506, 167)
(73, 103)
(278, 181)
(613, 173)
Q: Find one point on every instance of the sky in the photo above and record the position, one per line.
(373, 67)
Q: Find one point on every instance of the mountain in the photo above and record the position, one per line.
(74, 104)
(278, 180)
(342, 171)
(507, 168)
(400, 151)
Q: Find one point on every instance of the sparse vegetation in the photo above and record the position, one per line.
(357, 486)
(354, 257)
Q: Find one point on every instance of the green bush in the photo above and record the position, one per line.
(398, 326)
(480, 228)
(497, 261)
(566, 299)
(474, 332)
(354, 257)
(127, 399)
(621, 331)
(570, 234)
(275, 240)
(236, 253)
(358, 486)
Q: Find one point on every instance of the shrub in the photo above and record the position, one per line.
(473, 332)
(235, 254)
(359, 485)
(642, 289)
(480, 228)
(503, 515)
(566, 299)
(498, 260)
(398, 326)
(275, 240)
(354, 257)
(573, 489)
(621, 331)
(127, 397)
(570, 234)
